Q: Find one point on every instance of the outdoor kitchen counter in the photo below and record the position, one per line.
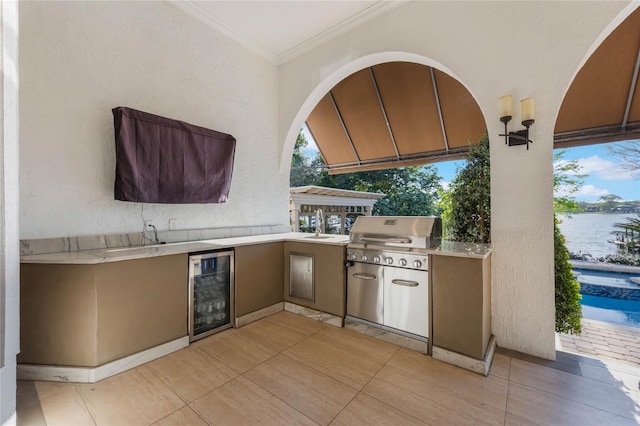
(471, 250)
(89, 257)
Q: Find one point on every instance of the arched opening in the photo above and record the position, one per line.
(390, 115)
(602, 106)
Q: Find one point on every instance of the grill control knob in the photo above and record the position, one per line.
(364, 258)
(402, 262)
(353, 256)
(376, 259)
(417, 264)
(388, 260)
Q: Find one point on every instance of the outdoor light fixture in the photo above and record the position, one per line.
(527, 112)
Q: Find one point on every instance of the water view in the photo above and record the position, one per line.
(590, 232)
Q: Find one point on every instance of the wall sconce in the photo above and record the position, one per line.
(527, 112)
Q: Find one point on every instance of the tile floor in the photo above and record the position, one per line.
(605, 341)
(286, 369)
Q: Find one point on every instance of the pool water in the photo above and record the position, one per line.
(615, 311)
(608, 309)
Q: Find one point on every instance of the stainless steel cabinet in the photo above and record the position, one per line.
(301, 282)
(365, 292)
(406, 301)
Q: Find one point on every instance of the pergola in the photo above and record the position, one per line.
(304, 201)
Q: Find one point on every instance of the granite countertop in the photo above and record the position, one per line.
(447, 248)
(129, 253)
(452, 248)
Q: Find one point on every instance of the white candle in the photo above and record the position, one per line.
(528, 109)
(505, 105)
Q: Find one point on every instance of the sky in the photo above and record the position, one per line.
(605, 174)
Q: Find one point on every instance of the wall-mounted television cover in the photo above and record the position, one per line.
(160, 160)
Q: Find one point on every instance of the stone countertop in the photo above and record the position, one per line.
(89, 257)
(452, 248)
(130, 253)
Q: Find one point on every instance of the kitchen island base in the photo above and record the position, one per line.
(480, 366)
(406, 340)
(54, 373)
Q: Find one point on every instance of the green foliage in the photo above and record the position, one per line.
(610, 201)
(303, 170)
(466, 205)
(409, 191)
(566, 181)
(568, 308)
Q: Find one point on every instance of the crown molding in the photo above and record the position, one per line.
(379, 8)
(376, 9)
(197, 12)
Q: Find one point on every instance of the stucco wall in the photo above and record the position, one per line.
(9, 242)
(81, 59)
(493, 48)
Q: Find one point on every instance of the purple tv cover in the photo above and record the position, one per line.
(160, 160)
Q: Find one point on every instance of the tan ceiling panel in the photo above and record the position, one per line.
(359, 107)
(407, 94)
(463, 120)
(598, 95)
(332, 141)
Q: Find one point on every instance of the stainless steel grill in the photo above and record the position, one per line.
(387, 281)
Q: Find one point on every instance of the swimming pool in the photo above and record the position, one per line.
(609, 296)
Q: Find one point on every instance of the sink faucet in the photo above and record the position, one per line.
(319, 221)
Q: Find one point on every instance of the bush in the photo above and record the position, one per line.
(568, 308)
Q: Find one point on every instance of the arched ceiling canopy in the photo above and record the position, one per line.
(603, 102)
(395, 114)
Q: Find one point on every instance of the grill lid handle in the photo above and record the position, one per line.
(397, 240)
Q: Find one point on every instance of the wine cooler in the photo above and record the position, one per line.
(211, 293)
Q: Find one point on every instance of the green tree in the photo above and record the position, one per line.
(567, 289)
(566, 181)
(610, 201)
(303, 170)
(409, 191)
(466, 205)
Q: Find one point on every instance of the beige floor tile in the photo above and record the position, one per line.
(191, 373)
(297, 322)
(314, 394)
(242, 402)
(358, 344)
(429, 400)
(345, 366)
(543, 408)
(512, 420)
(490, 391)
(273, 335)
(183, 417)
(624, 380)
(612, 398)
(500, 366)
(236, 350)
(366, 411)
(134, 397)
(62, 404)
(28, 409)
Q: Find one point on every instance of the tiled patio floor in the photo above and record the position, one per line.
(605, 341)
(288, 370)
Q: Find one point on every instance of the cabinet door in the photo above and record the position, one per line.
(301, 276)
(365, 292)
(406, 300)
(259, 276)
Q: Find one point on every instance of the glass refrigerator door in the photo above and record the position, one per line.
(211, 282)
